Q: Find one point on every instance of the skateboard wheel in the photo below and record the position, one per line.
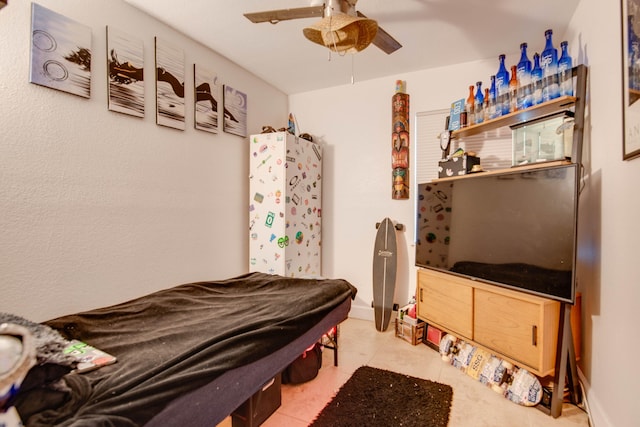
(447, 344)
(497, 388)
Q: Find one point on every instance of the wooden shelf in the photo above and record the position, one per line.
(517, 117)
(528, 166)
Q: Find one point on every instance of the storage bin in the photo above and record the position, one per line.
(260, 406)
(456, 166)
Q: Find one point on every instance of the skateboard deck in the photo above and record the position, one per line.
(514, 383)
(384, 273)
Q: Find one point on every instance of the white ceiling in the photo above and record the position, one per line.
(433, 33)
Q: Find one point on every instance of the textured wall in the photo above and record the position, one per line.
(97, 207)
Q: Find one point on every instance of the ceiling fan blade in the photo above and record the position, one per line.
(275, 16)
(383, 40)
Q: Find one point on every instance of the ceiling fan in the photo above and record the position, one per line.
(341, 29)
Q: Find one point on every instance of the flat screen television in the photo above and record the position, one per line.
(515, 229)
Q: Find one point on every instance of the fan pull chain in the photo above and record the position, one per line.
(352, 62)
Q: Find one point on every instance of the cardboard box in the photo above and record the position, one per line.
(410, 333)
(456, 166)
(260, 406)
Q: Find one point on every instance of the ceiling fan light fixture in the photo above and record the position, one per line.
(342, 33)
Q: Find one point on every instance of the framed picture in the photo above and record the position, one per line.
(125, 69)
(235, 111)
(205, 99)
(631, 78)
(60, 52)
(169, 85)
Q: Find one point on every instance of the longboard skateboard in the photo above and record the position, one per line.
(384, 273)
(514, 383)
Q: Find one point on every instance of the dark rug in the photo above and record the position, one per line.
(376, 397)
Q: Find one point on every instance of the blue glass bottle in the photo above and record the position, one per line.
(536, 80)
(565, 74)
(502, 88)
(549, 65)
(525, 92)
(492, 98)
(479, 104)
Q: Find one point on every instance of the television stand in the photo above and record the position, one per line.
(519, 327)
(527, 330)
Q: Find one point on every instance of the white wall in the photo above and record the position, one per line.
(609, 230)
(354, 122)
(97, 207)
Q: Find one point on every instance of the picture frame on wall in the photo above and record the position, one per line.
(60, 52)
(206, 90)
(235, 111)
(170, 105)
(125, 69)
(630, 18)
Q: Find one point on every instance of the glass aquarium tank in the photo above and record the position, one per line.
(543, 140)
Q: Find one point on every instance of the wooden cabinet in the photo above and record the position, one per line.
(520, 327)
(446, 300)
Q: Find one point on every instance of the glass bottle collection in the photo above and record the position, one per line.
(527, 85)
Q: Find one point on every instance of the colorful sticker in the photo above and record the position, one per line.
(283, 241)
(270, 217)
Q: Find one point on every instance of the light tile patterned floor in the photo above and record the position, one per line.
(360, 344)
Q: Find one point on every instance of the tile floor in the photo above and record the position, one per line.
(360, 344)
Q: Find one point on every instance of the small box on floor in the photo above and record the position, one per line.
(260, 406)
(432, 337)
(410, 333)
(457, 165)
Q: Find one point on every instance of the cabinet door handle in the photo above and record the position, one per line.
(534, 335)
(421, 295)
